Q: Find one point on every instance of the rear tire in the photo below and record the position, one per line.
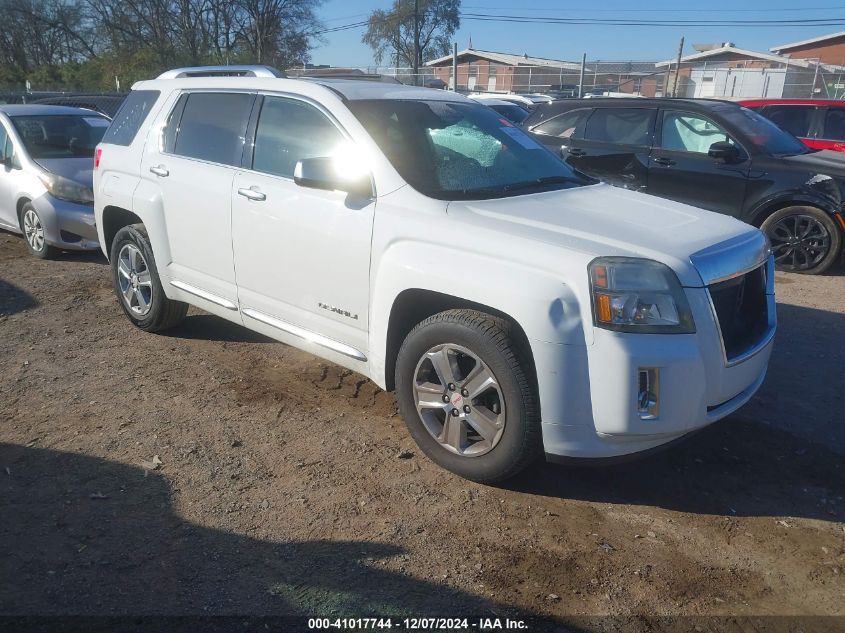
(34, 234)
(805, 240)
(463, 387)
(137, 284)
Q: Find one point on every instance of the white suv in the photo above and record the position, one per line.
(516, 306)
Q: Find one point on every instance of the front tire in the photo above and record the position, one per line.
(34, 234)
(464, 389)
(804, 240)
(137, 284)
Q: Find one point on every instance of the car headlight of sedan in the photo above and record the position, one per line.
(638, 295)
(66, 189)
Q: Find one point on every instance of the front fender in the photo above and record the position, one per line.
(544, 305)
(819, 191)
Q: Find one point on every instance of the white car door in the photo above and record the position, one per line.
(193, 167)
(302, 255)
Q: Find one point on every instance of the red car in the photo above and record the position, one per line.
(819, 123)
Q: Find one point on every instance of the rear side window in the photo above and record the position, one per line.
(130, 117)
(564, 125)
(794, 119)
(288, 131)
(213, 126)
(621, 126)
(834, 124)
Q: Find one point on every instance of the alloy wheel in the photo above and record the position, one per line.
(799, 242)
(459, 400)
(136, 285)
(33, 230)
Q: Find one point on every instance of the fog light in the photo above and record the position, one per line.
(648, 393)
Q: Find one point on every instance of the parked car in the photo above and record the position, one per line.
(46, 176)
(537, 98)
(516, 306)
(711, 154)
(524, 102)
(104, 104)
(511, 111)
(819, 124)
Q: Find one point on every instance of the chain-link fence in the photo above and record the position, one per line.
(730, 79)
(734, 79)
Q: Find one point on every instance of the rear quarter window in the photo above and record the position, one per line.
(130, 117)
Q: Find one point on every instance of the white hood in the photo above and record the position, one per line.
(602, 220)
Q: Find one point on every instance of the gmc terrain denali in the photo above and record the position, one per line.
(516, 306)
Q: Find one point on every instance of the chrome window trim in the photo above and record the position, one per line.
(263, 92)
(307, 100)
(179, 93)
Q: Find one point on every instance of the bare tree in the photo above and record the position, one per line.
(277, 31)
(392, 31)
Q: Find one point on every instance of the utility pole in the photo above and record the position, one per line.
(581, 78)
(678, 68)
(416, 41)
(455, 66)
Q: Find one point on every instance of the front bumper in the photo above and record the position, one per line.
(67, 225)
(589, 393)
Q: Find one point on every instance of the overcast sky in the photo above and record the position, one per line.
(344, 48)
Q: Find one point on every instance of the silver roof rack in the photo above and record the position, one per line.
(222, 71)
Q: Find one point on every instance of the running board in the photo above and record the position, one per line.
(202, 294)
(308, 335)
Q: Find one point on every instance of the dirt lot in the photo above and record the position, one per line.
(285, 488)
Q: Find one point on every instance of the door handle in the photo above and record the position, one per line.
(576, 152)
(159, 170)
(662, 160)
(252, 193)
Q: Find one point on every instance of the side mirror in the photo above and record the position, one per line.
(724, 151)
(327, 173)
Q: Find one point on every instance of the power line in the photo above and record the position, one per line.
(629, 22)
(709, 10)
(636, 22)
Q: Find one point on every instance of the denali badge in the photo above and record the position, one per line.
(339, 311)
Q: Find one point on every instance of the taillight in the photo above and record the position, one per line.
(97, 155)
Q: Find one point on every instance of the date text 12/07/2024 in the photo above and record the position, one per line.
(418, 624)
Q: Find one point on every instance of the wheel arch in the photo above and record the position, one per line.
(19, 207)
(413, 305)
(114, 219)
(759, 214)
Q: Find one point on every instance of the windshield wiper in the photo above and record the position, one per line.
(494, 192)
(540, 182)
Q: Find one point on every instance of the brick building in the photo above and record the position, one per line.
(725, 71)
(489, 71)
(828, 49)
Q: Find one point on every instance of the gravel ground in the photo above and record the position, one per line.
(212, 471)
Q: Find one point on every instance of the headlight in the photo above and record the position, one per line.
(65, 189)
(638, 295)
